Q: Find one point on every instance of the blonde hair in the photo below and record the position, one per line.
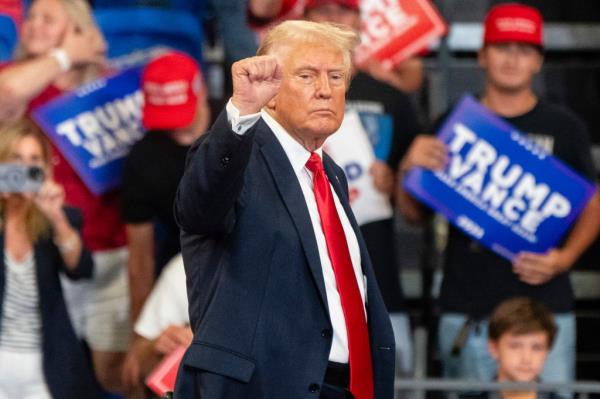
(11, 132)
(80, 14)
(287, 33)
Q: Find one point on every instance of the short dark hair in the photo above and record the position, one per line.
(521, 316)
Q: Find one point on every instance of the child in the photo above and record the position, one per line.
(521, 332)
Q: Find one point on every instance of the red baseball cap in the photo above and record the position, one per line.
(344, 3)
(171, 84)
(512, 22)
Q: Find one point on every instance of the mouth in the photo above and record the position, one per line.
(323, 112)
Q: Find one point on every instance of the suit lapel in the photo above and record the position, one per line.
(342, 194)
(293, 198)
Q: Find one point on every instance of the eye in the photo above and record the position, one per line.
(514, 345)
(539, 347)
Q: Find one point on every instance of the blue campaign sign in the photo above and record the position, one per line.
(499, 187)
(95, 126)
(379, 128)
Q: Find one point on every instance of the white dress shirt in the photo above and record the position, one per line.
(298, 156)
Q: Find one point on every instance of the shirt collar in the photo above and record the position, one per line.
(297, 154)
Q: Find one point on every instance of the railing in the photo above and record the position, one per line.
(418, 387)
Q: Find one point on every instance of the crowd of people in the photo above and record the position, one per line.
(93, 287)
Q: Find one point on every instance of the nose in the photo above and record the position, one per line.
(526, 356)
(513, 51)
(323, 86)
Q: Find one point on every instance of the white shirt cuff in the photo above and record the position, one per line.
(240, 124)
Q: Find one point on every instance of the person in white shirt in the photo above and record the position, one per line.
(163, 324)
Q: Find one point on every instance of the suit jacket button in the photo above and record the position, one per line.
(224, 161)
(326, 333)
(313, 388)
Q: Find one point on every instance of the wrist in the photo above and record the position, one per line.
(58, 221)
(67, 245)
(61, 56)
(243, 107)
(564, 260)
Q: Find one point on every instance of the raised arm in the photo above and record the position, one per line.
(216, 163)
(77, 260)
(24, 80)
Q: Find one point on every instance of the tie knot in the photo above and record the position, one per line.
(314, 163)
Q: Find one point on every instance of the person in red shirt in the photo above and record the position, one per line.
(61, 48)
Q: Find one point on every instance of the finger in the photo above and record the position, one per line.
(169, 342)
(160, 346)
(532, 275)
(530, 257)
(182, 337)
(272, 68)
(259, 71)
(277, 72)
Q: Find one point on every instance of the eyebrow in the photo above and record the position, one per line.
(316, 69)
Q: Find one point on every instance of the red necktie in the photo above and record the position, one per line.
(361, 374)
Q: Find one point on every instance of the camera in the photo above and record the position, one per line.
(19, 178)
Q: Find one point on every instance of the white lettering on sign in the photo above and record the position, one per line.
(498, 186)
(108, 131)
(382, 20)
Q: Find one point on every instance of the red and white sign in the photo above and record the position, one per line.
(394, 30)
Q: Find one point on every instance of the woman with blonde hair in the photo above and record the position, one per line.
(60, 49)
(40, 355)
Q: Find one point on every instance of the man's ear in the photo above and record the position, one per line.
(272, 102)
(493, 348)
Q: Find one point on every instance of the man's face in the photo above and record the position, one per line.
(311, 99)
(520, 357)
(510, 66)
(336, 13)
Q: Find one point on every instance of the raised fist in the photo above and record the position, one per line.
(256, 81)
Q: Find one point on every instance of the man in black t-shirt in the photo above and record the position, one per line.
(476, 279)
(175, 114)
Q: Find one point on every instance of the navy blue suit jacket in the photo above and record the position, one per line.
(256, 292)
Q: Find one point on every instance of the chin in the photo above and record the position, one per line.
(524, 377)
(325, 129)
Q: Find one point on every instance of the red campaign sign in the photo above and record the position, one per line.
(162, 378)
(394, 30)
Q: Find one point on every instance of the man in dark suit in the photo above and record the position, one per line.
(283, 299)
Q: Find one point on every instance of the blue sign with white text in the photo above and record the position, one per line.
(379, 128)
(499, 187)
(95, 126)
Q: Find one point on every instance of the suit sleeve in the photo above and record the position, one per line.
(85, 266)
(213, 180)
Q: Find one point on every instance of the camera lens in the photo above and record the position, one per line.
(36, 173)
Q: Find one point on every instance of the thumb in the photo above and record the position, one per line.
(278, 72)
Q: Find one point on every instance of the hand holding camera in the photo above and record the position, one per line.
(50, 200)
